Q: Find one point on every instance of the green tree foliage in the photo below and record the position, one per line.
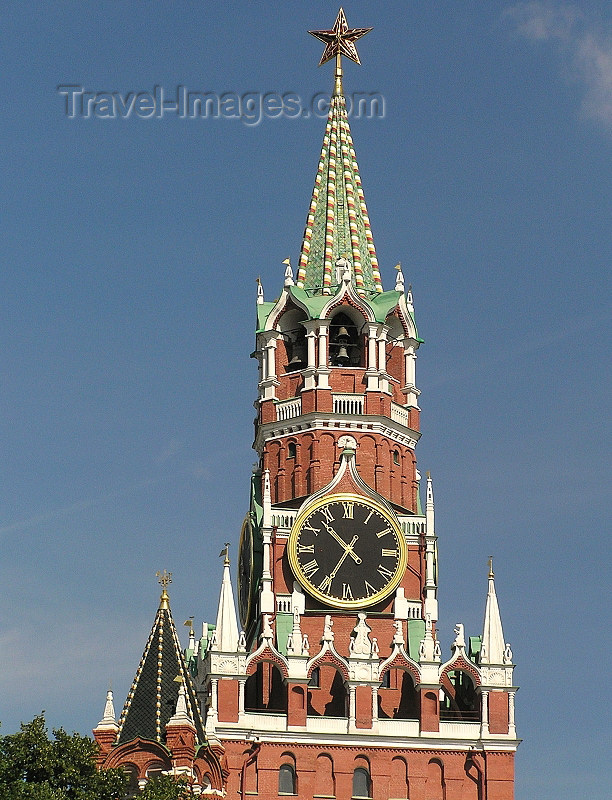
(165, 787)
(35, 767)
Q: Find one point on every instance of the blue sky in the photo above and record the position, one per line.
(130, 249)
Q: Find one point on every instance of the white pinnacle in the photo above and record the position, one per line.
(108, 720)
(227, 621)
(493, 645)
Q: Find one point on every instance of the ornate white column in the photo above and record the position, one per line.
(323, 368)
(372, 368)
(484, 727)
(383, 380)
(410, 390)
(511, 723)
(351, 708)
(241, 685)
(311, 343)
(269, 382)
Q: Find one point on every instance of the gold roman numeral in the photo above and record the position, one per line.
(383, 532)
(310, 568)
(367, 519)
(326, 513)
(308, 548)
(307, 526)
(325, 584)
(391, 553)
(348, 510)
(347, 594)
(369, 588)
(384, 571)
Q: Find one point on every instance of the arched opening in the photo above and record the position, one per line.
(287, 776)
(345, 342)
(295, 355)
(133, 787)
(249, 778)
(265, 690)
(325, 781)
(434, 783)
(398, 785)
(155, 769)
(291, 450)
(397, 697)
(362, 784)
(459, 700)
(329, 697)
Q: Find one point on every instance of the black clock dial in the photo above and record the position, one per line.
(347, 551)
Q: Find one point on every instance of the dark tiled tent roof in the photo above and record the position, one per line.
(162, 662)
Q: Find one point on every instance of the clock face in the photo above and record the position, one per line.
(245, 571)
(347, 551)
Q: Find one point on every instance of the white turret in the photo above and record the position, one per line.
(494, 649)
(181, 714)
(108, 721)
(431, 587)
(226, 639)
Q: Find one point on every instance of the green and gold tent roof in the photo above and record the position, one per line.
(152, 698)
(338, 224)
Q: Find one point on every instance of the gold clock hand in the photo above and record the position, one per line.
(347, 547)
(332, 574)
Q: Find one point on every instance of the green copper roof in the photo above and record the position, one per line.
(338, 223)
(381, 303)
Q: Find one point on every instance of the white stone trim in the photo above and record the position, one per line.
(320, 420)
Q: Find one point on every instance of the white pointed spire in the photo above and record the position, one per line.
(260, 292)
(494, 649)
(399, 279)
(288, 272)
(410, 299)
(108, 720)
(181, 715)
(227, 621)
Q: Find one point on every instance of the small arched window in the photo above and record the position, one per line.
(396, 457)
(361, 783)
(315, 678)
(291, 450)
(133, 786)
(287, 783)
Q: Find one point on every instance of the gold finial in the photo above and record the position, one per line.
(340, 41)
(164, 579)
(491, 573)
(398, 266)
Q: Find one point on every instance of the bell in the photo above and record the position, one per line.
(343, 333)
(342, 359)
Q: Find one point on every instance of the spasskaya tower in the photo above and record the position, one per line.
(337, 686)
(331, 681)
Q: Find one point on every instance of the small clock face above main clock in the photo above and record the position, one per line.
(347, 551)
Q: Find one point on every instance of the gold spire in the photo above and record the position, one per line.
(340, 41)
(164, 579)
(491, 573)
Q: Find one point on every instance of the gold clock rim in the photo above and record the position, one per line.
(332, 601)
(246, 524)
